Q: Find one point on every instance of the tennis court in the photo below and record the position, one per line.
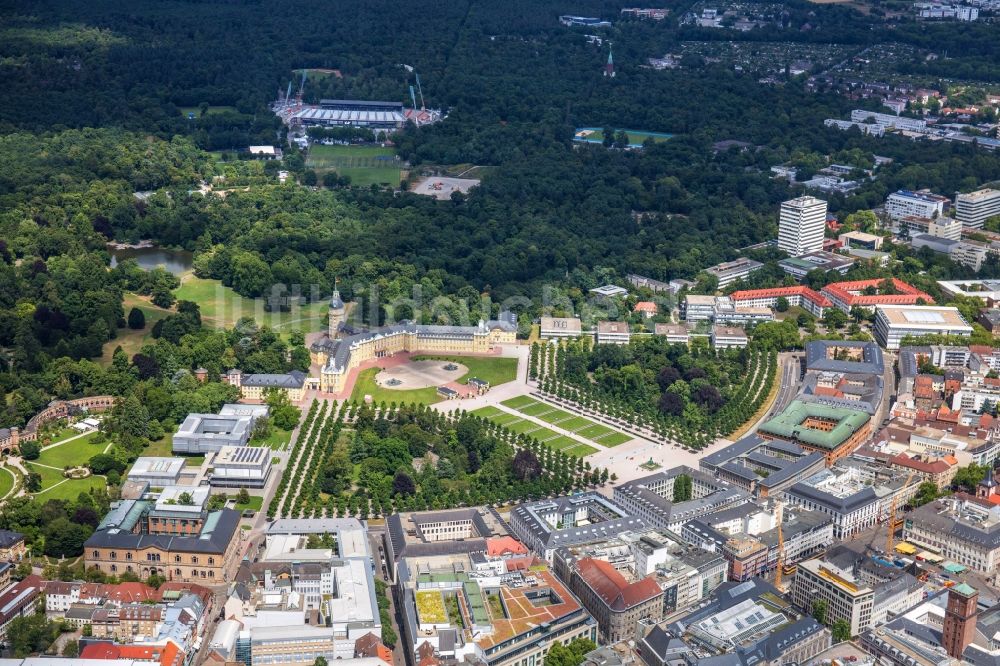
(578, 425)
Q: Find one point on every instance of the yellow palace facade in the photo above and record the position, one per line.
(337, 357)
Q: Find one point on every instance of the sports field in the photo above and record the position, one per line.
(365, 165)
(578, 425)
(187, 110)
(635, 137)
(549, 438)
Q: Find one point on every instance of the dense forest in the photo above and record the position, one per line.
(103, 102)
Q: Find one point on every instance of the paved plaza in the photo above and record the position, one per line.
(420, 374)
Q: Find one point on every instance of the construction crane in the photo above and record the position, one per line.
(781, 548)
(420, 91)
(894, 524)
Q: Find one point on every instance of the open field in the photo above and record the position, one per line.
(6, 481)
(255, 503)
(635, 137)
(549, 438)
(364, 165)
(162, 447)
(314, 73)
(57, 486)
(494, 369)
(578, 425)
(862, 7)
(76, 452)
(187, 110)
(223, 307)
(277, 440)
(365, 385)
(132, 341)
(441, 187)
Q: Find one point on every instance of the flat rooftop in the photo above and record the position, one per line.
(153, 466)
(568, 324)
(922, 316)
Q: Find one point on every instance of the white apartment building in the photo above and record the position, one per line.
(725, 337)
(560, 327)
(905, 203)
(730, 271)
(613, 333)
(895, 322)
(941, 227)
(974, 208)
(801, 224)
(846, 598)
(699, 307)
(888, 120)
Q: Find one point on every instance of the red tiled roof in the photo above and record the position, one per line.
(176, 586)
(505, 545)
(167, 655)
(130, 592)
(100, 651)
(612, 587)
(935, 467)
(850, 293)
(644, 306)
(776, 292)
(829, 391)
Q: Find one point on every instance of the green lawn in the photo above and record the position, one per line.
(578, 425)
(613, 439)
(129, 340)
(519, 402)
(548, 437)
(365, 165)
(254, 504)
(315, 74)
(223, 307)
(365, 385)
(494, 369)
(57, 486)
(61, 434)
(74, 453)
(490, 412)
(537, 409)
(277, 440)
(161, 448)
(7, 481)
(348, 156)
(185, 110)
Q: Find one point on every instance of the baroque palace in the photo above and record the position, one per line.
(337, 354)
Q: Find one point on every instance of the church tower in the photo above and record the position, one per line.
(960, 619)
(336, 313)
(988, 486)
(609, 69)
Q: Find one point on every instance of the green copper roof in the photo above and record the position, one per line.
(788, 424)
(964, 589)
